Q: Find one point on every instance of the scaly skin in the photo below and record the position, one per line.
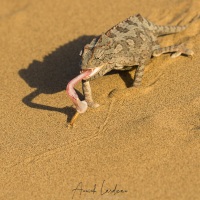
(130, 43)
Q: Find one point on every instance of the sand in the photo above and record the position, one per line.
(139, 144)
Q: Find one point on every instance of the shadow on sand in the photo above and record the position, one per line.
(53, 74)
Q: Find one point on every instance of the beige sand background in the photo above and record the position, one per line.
(144, 140)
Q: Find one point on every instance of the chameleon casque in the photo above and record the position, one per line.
(130, 43)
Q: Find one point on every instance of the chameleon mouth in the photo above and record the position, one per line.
(93, 71)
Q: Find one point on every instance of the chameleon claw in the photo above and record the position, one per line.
(93, 104)
(191, 56)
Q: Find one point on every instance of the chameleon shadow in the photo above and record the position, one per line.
(127, 78)
(54, 73)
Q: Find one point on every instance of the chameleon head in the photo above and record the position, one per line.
(95, 54)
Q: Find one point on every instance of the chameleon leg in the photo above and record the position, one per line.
(138, 76)
(178, 49)
(88, 94)
(164, 30)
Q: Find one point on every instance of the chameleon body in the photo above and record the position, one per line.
(130, 43)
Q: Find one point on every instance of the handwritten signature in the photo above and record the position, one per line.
(102, 190)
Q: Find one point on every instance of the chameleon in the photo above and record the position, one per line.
(132, 42)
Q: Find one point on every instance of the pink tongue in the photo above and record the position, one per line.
(81, 106)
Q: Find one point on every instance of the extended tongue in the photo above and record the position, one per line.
(81, 106)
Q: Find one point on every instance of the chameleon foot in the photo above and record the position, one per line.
(182, 50)
(93, 104)
(176, 51)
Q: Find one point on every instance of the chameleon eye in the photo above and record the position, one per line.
(98, 54)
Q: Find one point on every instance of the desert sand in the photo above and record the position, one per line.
(139, 144)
